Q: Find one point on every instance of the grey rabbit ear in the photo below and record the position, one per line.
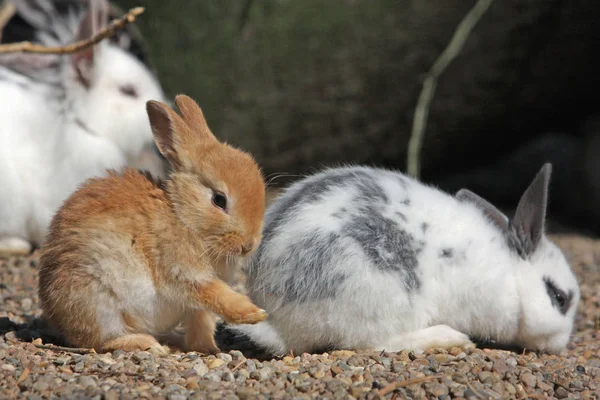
(529, 220)
(95, 19)
(495, 215)
(38, 13)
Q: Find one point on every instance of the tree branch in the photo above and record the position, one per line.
(28, 47)
(453, 49)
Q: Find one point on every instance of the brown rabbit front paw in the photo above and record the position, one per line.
(233, 306)
(247, 315)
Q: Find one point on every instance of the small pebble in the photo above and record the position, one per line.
(40, 386)
(86, 381)
(437, 389)
(200, 368)
(26, 303)
(500, 367)
(142, 356)
(216, 363)
(246, 393)
(225, 357)
(528, 379)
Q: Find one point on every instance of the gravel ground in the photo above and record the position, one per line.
(28, 370)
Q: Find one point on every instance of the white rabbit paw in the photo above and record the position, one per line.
(14, 246)
(443, 336)
(437, 336)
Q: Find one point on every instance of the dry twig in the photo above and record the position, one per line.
(23, 375)
(118, 24)
(439, 66)
(238, 365)
(67, 349)
(407, 382)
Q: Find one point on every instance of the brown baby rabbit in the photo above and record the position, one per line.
(128, 258)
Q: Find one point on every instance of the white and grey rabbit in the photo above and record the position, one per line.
(65, 118)
(365, 258)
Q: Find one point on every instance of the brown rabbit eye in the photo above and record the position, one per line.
(219, 200)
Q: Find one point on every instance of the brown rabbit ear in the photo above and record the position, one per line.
(171, 133)
(193, 116)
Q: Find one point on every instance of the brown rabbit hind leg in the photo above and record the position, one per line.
(134, 342)
(235, 307)
(200, 331)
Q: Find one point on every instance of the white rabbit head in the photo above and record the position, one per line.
(104, 87)
(547, 288)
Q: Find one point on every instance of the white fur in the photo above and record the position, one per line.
(55, 133)
(486, 290)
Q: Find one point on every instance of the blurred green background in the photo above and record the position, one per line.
(307, 83)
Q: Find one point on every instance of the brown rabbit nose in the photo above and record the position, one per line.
(248, 247)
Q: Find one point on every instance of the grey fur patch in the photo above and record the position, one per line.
(388, 246)
(516, 245)
(314, 190)
(305, 266)
(424, 227)
(308, 276)
(406, 202)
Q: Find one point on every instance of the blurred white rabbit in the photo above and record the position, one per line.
(65, 118)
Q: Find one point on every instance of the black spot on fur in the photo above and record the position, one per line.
(401, 216)
(388, 246)
(406, 202)
(339, 214)
(447, 253)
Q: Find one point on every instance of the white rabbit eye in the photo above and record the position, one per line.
(219, 200)
(129, 90)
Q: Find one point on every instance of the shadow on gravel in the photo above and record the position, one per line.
(33, 328)
(226, 339)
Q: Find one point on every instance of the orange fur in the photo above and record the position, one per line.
(128, 257)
